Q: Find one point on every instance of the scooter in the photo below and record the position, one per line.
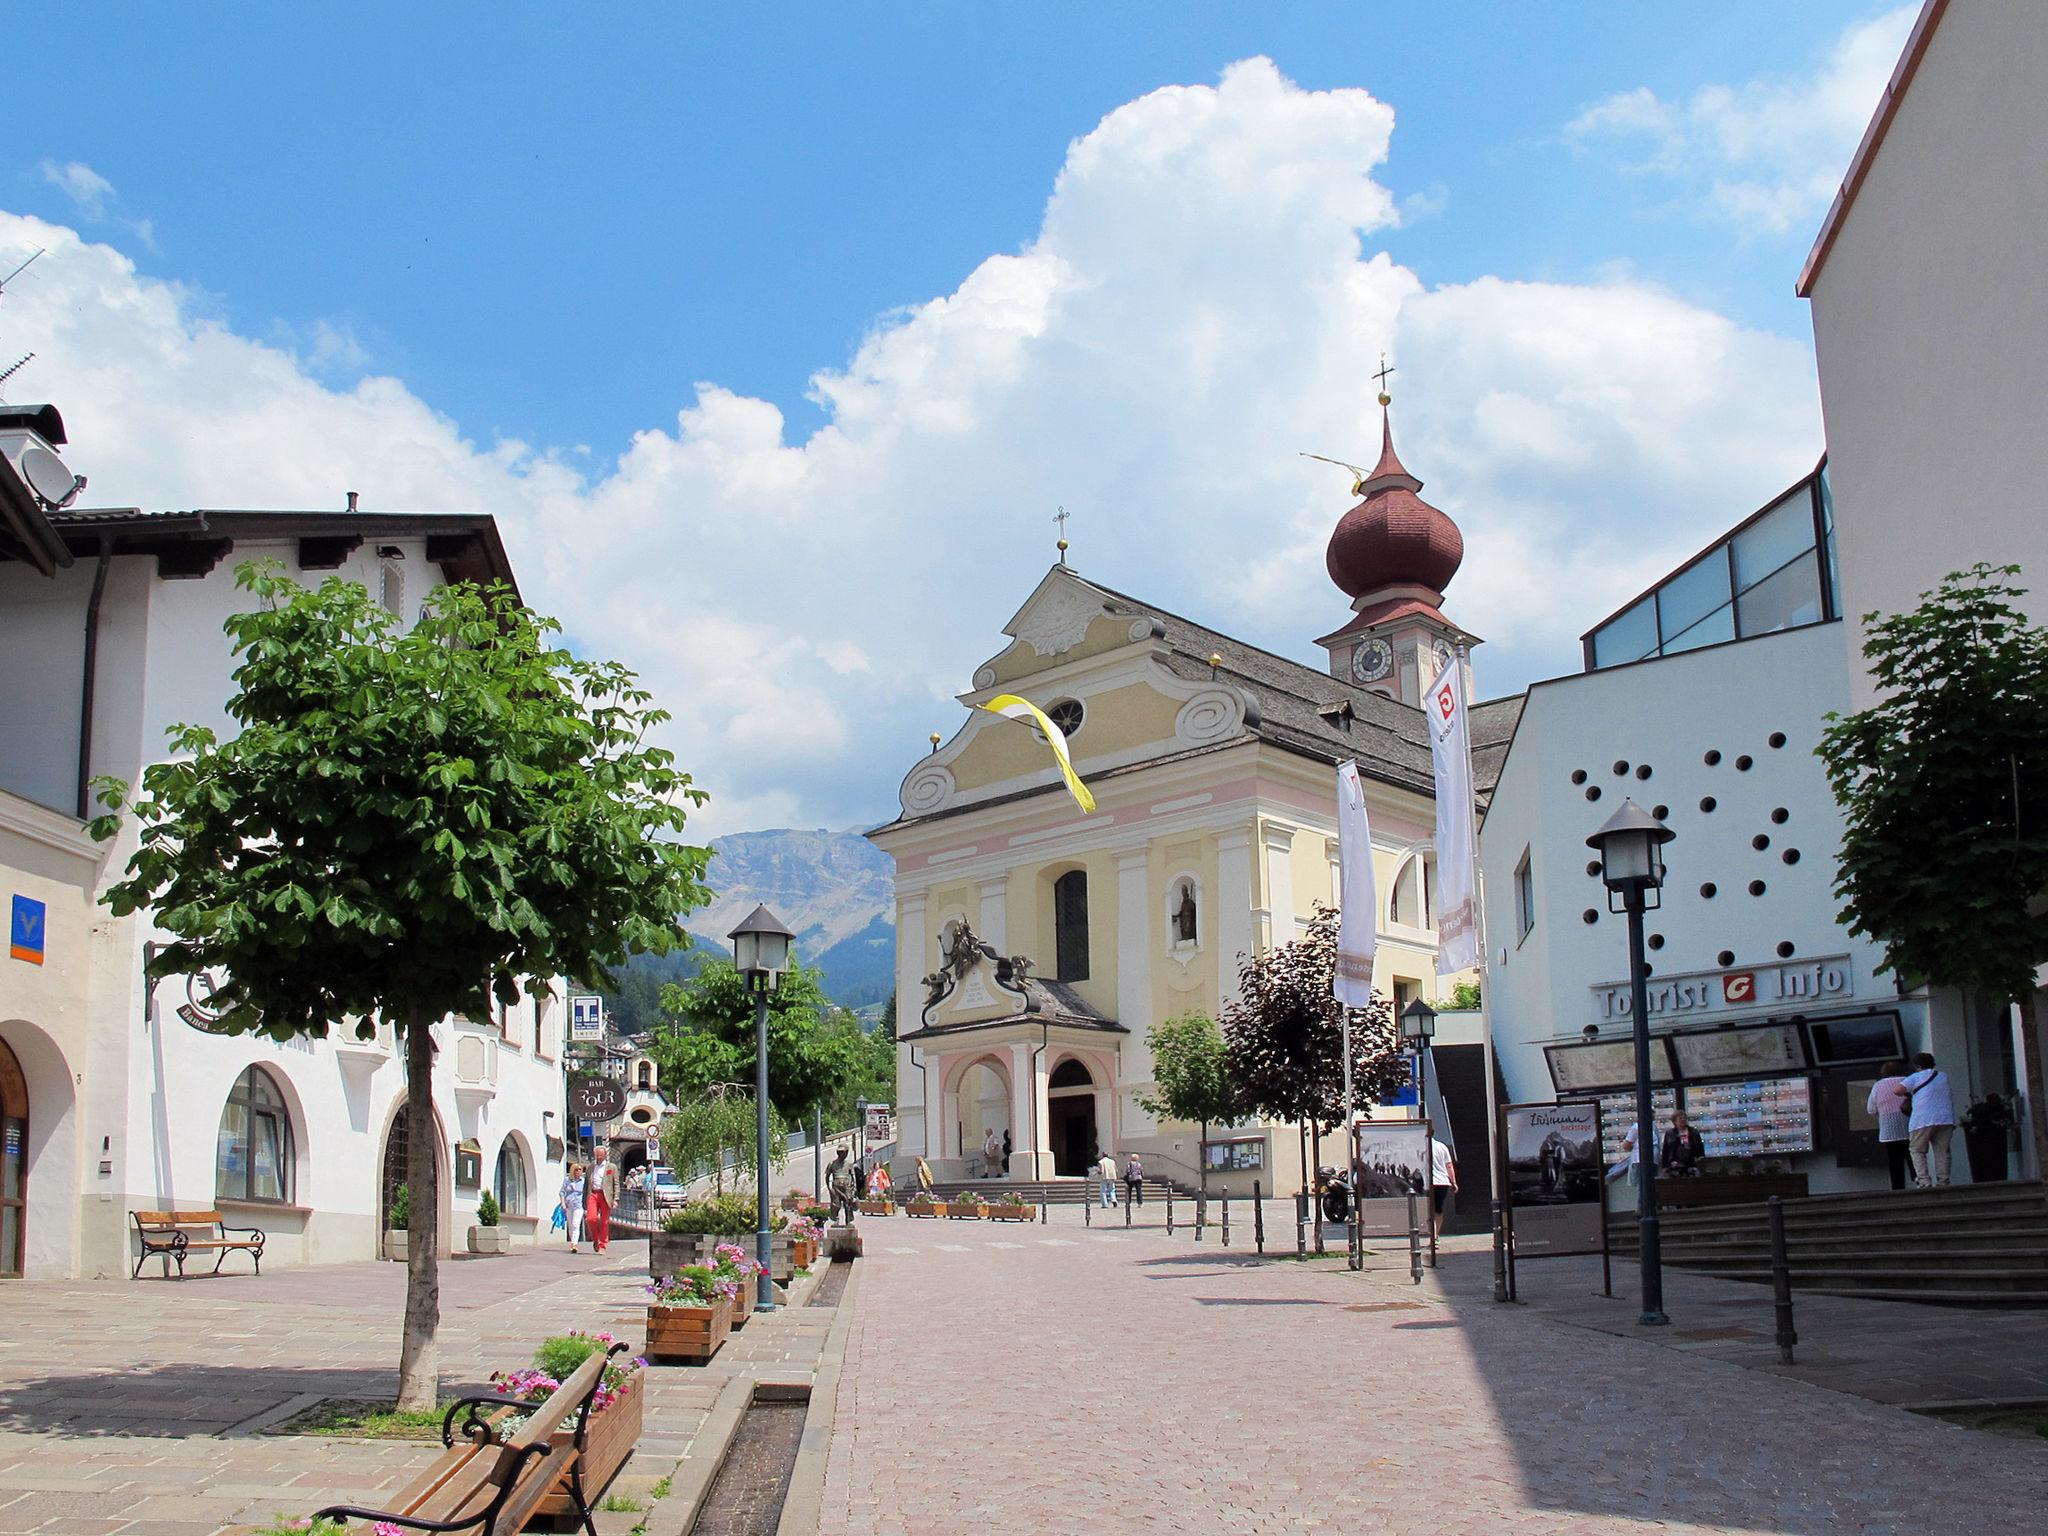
(1334, 1189)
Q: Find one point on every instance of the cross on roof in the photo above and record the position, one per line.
(1061, 518)
(1382, 376)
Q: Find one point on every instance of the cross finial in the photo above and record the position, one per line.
(1385, 398)
(1061, 518)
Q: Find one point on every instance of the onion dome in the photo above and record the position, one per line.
(1393, 537)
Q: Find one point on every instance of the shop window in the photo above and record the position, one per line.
(1070, 924)
(509, 1182)
(1525, 898)
(253, 1154)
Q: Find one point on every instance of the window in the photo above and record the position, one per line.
(644, 1076)
(509, 1182)
(1067, 714)
(1414, 895)
(253, 1154)
(1406, 991)
(1525, 898)
(1630, 637)
(391, 588)
(1070, 925)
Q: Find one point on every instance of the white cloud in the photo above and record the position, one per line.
(1768, 154)
(78, 181)
(1200, 303)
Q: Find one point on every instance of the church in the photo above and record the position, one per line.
(1037, 946)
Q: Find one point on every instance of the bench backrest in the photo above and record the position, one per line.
(165, 1220)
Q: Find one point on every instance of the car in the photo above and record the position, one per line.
(664, 1189)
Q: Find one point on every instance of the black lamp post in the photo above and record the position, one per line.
(760, 952)
(1418, 1026)
(1631, 848)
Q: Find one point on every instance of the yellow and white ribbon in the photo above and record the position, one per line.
(1023, 711)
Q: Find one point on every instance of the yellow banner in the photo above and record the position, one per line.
(1010, 707)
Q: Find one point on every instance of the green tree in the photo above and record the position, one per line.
(1943, 785)
(1192, 1070)
(1464, 998)
(409, 824)
(712, 1038)
(717, 1134)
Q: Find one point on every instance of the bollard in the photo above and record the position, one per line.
(1300, 1241)
(1315, 1216)
(1226, 1218)
(1201, 1215)
(1128, 1203)
(1258, 1217)
(1354, 1251)
(1781, 1282)
(1088, 1207)
(1414, 1243)
(1044, 1216)
(1169, 1210)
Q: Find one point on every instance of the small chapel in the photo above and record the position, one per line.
(1037, 946)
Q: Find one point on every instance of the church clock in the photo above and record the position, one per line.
(1373, 660)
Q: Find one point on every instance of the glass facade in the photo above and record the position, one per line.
(1776, 571)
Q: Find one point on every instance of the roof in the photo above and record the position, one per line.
(43, 420)
(25, 531)
(1873, 138)
(1045, 1002)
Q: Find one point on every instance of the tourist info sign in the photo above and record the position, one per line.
(586, 1019)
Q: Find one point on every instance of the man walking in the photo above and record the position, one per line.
(1932, 1125)
(1443, 1180)
(1106, 1171)
(600, 1194)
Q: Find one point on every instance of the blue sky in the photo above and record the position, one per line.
(434, 233)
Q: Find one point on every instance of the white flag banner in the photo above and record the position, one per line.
(1457, 896)
(1358, 906)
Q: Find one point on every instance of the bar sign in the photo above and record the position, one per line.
(27, 930)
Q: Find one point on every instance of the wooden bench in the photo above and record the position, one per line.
(492, 1484)
(173, 1234)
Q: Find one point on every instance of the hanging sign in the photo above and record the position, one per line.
(594, 1099)
(586, 1019)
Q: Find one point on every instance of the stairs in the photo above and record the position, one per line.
(1971, 1245)
(1051, 1192)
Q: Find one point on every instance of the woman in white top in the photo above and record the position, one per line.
(1932, 1124)
(572, 1204)
(1892, 1106)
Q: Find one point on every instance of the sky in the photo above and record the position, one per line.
(774, 337)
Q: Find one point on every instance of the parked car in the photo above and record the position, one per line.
(664, 1189)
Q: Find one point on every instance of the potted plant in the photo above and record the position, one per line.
(922, 1204)
(1987, 1127)
(617, 1411)
(487, 1236)
(804, 1232)
(396, 1220)
(689, 1314)
(692, 1235)
(732, 1263)
(1007, 1207)
(876, 1205)
(966, 1207)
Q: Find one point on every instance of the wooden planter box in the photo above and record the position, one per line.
(928, 1208)
(743, 1304)
(803, 1254)
(1012, 1213)
(877, 1207)
(609, 1441)
(963, 1210)
(690, 1335)
(668, 1252)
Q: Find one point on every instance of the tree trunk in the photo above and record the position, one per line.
(1202, 1160)
(419, 1364)
(2032, 1037)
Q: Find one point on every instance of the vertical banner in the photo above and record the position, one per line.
(1358, 906)
(1457, 899)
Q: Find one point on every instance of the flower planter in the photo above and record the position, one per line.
(929, 1208)
(668, 1252)
(489, 1240)
(690, 1335)
(964, 1210)
(608, 1442)
(803, 1252)
(394, 1247)
(877, 1207)
(1012, 1213)
(743, 1304)
(1986, 1152)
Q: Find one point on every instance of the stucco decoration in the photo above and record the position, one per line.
(1214, 714)
(985, 677)
(1147, 629)
(1059, 621)
(928, 788)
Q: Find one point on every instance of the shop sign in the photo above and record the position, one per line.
(1699, 994)
(878, 1122)
(199, 1009)
(28, 930)
(586, 1019)
(594, 1099)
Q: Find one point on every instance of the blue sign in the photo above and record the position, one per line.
(1405, 1094)
(28, 930)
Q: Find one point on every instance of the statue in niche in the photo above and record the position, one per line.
(1184, 916)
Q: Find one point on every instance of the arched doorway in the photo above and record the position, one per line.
(392, 1172)
(1070, 1118)
(13, 1166)
(983, 1100)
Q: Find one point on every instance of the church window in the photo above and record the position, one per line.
(1067, 714)
(1414, 897)
(1070, 924)
(1070, 1074)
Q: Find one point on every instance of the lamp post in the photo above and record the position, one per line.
(760, 952)
(1631, 848)
(1418, 1026)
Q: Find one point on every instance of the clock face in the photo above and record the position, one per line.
(1372, 661)
(1442, 653)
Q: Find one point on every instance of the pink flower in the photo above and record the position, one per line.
(386, 1528)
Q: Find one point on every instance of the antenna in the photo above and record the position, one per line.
(10, 277)
(15, 367)
(27, 357)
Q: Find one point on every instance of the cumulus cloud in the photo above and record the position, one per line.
(1203, 299)
(1767, 154)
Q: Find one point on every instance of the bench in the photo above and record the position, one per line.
(173, 1234)
(491, 1484)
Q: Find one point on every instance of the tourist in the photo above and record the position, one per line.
(878, 1182)
(572, 1205)
(1683, 1146)
(1443, 1181)
(924, 1175)
(1893, 1107)
(1630, 1159)
(1134, 1180)
(1006, 1154)
(1106, 1171)
(1932, 1124)
(600, 1192)
(991, 1155)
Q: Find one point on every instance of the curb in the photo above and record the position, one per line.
(690, 1482)
(803, 1502)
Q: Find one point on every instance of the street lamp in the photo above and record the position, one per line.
(1418, 1025)
(760, 953)
(1631, 848)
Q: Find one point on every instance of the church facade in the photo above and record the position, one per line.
(1037, 946)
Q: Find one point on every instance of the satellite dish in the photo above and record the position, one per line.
(48, 478)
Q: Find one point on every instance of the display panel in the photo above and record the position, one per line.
(1604, 1064)
(1874, 1037)
(1762, 1118)
(1749, 1051)
(1234, 1156)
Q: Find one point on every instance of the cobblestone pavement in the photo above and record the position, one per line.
(137, 1407)
(1060, 1379)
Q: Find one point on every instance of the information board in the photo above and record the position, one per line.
(1554, 1179)
(1746, 1052)
(1762, 1118)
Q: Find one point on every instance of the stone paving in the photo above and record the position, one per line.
(137, 1407)
(1057, 1378)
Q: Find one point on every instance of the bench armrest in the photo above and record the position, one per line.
(474, 1427)
(255, 1232)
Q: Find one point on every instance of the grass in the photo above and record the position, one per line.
(2016, 1423)
(619, 1504)
(659, 1490)
(356, 1419)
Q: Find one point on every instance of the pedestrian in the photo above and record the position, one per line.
(600, 1193)
(1134, 1180)
(572, 1205)
(991, 1155)
(1443, 1181)
(1628, 1165)
(1893, 1107)
(878, 1182)
(1106, 1171)
(1006, 1154)
(1932, 1124)
(1683, 1146)
(839, 1183)
(924, 1175)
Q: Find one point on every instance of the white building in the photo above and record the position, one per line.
(115, 1095)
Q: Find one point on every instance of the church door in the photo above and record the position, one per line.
(1070, 1103)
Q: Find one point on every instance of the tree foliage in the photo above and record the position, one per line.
(409, 823)
(818, 1057)
(716, 1133)
(1943, 784)
(1284, 1034)
(1192, 1070)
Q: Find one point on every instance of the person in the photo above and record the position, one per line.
(1932, 1123)
(991, 1155)
(1893, 1107)
(1106, 1171)
(839, 1183)
(1006, 1153)
(1631, 1156)
(572, 1204)
(1134, 1180)
(1443, 1181)
(600, 1193)
(1683, 1146)
(924, 1175)
(878, 1182)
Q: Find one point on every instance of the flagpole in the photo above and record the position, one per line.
(1495, 1152)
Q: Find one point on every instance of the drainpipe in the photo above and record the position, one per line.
(92, 656)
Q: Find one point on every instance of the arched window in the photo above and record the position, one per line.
(509, 1182)
(646, 1076)
(1070, 925)
(253, 1154)
(1071, 1073)
(1413, 902)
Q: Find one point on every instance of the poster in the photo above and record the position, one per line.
(1392, 1159)
(1751, 1052)
(1555, 1179)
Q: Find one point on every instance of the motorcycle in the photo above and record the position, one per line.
(1333, 1191)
